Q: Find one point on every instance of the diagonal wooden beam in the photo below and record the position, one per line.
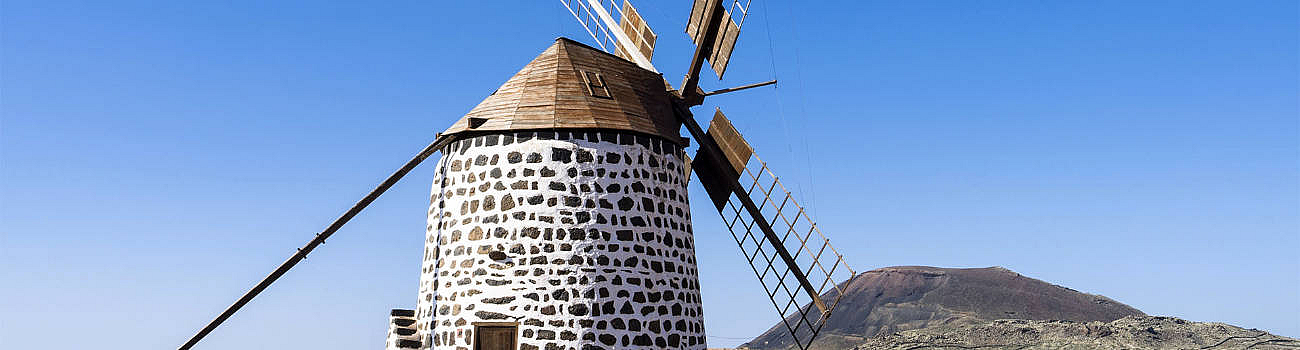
(710, 147)
(319, 239)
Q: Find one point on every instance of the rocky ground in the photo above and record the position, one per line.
(1132, 332)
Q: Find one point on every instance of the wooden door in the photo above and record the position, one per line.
(494, 338)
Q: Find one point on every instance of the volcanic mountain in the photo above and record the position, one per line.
(895, 299)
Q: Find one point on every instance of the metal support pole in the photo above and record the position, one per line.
(318, 240)
(738, 88)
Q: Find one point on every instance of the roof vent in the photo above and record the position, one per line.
(474, 123)
(595, 84)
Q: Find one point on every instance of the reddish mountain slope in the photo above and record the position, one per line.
(903, 298)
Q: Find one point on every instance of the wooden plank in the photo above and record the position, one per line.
(696, 21)
(549, 93)
(733, 145)
(495, 337)
(725, 44)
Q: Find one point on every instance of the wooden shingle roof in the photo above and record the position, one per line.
(552, 92)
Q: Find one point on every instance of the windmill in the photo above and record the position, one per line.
(559, 217)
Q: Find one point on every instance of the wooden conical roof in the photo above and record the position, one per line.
(551, 93)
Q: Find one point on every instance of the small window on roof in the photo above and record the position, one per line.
(595, 84)
(475, 122)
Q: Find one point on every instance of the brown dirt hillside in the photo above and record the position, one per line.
(896, 299)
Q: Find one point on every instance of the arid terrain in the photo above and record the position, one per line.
(1132, 332)
(919, 307)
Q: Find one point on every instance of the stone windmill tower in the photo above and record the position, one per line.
(559, 217)
(560, 214)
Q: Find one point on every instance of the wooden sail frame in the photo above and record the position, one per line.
(793, 273)
(801, 323)
(733, 17)
(597, 19)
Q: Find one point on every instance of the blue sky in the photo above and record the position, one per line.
(157, 158)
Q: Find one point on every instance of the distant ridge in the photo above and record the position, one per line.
(901, 298)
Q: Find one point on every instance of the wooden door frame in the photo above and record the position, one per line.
(494, 324)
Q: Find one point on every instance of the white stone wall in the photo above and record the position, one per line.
(582, 238)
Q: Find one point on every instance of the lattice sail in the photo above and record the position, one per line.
(591, 23)
(733, 18)
(632, 40)
(638, 30)
(819, 269)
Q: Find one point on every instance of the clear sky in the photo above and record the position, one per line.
(159, 157)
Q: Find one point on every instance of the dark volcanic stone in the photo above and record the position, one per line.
(561, 155)
(578, 309)
(488, 315)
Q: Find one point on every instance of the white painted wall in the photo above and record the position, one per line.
(490, 196)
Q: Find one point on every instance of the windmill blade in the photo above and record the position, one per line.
(598, 16)
(728, 29)
(797, 266)
(639, 31)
